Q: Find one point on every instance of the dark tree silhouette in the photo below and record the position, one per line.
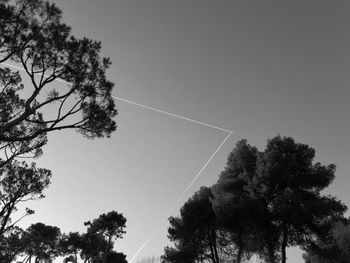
(110, 225)
(19, 182)
(33, 37)
(96, 245)
(194, 232)
(235, 204)
(41, 242)
(290, 186)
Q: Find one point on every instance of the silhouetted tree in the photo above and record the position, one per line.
(195, 231)
(233, 203)
(110, 225)
(19, 182)
(290, 184)
(33, 37)
(96, 244)
(41, 242)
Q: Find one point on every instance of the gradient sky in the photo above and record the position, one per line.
(258, 68)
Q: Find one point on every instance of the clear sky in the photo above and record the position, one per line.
(258, 68)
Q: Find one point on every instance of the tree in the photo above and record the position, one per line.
(110, 225)
(33, 37)
(19, 182)
(290, 185)
(194, 232)
(233, 203)
(96, 244)
(42, 241)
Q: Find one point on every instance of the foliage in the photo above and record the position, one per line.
(19, 182)
(262, 203)
(96, 244)
(110, 225)
(332, 247)
(12, 245)
(194, 232)
(44, 243)
(33, 37)
(290, 184)
(41, 241)
(233, 203)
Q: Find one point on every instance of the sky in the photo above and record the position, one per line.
(258, 68)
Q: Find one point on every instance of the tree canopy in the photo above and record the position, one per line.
(19, 182)
(33, 37)
(263, 202)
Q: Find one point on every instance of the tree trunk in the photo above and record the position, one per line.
(271, 253)
(215, 247)
(239, 255)
(240, 251)
(284, 243)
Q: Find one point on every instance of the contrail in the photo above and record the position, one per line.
(181, 196)
(173, 115)
(142, 246)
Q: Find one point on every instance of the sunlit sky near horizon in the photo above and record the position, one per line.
(259, 68)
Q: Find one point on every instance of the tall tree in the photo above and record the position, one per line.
(194, 232)
(98, 241)
(33, 37)
(233, 202)
(290, 184)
